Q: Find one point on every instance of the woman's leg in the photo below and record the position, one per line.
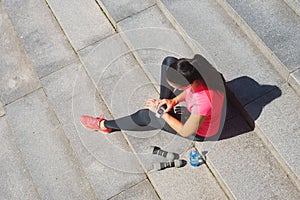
(166, 91)
(142, 120)
(145, 120)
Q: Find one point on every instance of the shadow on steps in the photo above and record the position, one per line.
(241, 92)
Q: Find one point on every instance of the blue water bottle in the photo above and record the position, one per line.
(194, 158)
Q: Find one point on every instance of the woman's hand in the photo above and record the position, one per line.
(170, 103)
(152, 105)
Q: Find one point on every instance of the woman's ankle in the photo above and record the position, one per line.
(101, 125)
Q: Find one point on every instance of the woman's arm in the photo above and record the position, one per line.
(188, 128)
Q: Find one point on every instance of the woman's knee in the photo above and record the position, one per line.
(142, 117)
(169, 60)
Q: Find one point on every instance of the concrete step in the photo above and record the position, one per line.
(147, 40)
(281, 135)
(16, 182)
(153, 22)
(124, 86)
(231, 50)
(82, 21)
(96, 161)
(124, 8)
(2, 111)
(51, 162)
(274, 27)
(118, 74)
(294, 4)
(143, 190)
(17, 75)
(107, 160)
(42, 173)
(44, 165)
(43, 40)
(245, 166)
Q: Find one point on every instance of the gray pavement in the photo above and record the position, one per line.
(44, 42)
(251, 77)
(17, 75)
(52, 164)
(62, 59)
(82, 21)
(273, 26)
(294, 4)
(283, 39)
(18, 182)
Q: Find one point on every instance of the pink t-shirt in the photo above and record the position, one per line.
(205, 102)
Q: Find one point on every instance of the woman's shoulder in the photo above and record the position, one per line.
(202, 97)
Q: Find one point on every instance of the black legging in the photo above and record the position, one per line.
(145, 120)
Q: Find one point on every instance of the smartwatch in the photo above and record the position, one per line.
(160, 111)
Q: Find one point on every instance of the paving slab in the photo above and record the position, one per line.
(294, 4)
(109, 175)
(41, 36)
(186, 183)
(143, 190)
(225, 46)
(118, 76)
(294, 80)
(82, 21)
(98, 57)
(246, 167)
(47, 154)
(2, 111)
(17, 75)
(16, 182)
(277, 25)
(213, 33)
(124, 8)
(281, 132)
(152, 37)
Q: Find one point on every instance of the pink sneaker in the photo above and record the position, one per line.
(93, 123)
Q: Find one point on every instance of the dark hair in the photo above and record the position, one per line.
(182, 73)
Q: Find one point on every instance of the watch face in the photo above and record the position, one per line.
(160, 111)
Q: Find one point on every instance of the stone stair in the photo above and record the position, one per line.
(273, 26)
(262, 141)
(208, 30)
(294, 4)
(62, 59)
(37, 162)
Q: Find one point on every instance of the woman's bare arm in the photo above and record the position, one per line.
(186, 129)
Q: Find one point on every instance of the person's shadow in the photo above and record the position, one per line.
(240, 93)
